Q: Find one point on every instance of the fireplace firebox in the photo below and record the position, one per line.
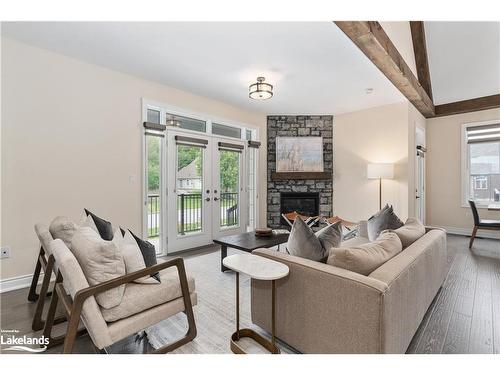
(306, 204)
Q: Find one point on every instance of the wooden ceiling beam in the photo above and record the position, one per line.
(469, 105)
(421, 60)
(372, 40)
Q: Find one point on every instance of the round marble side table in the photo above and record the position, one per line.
(258, 268)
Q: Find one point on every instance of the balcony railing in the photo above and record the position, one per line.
(189, 212)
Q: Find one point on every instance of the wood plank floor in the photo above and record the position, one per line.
(463, 318)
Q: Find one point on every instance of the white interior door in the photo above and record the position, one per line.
(189, 191)
(420, 174)
(229, 187)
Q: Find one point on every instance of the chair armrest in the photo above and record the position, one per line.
(83, 294)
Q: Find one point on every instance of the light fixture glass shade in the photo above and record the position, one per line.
(380, 170)
(260, 90)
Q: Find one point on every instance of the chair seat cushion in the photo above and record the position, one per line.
(140, 297)
(489, 223)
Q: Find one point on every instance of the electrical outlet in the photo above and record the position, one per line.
(5, 252)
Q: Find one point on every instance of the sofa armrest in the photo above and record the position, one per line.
(428, 228)
(321, 308)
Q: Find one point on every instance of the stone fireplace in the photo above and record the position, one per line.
(306, 194)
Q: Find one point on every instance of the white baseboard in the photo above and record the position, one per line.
(480, 233)
(19, 282)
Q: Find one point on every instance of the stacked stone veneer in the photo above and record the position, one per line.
(299, 126)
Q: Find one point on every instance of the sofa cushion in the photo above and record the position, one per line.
(148, 253)
(104, 227)
(63, 228)
(330, 236)
(100, 261)
(366, 258)
(303, 243)
(139, 297)
(382, 220)
(410, 232)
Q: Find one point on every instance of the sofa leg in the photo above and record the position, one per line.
(473, 236)
(32, 295)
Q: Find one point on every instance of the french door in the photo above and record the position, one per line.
(205, 189)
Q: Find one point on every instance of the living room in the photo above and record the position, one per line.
(325, 187)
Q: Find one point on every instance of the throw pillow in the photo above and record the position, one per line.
(148, 253)
(382, 220)
(100, 261)
(303, 243)
(366, 258)
(63, 228)
(103, 226)
(330, 236)
(410, 232)
(132, 256)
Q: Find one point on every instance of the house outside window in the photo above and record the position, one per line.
(481, 162)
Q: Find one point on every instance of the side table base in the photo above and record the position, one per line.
(259, 339)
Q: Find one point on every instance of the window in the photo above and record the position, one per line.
(482, 162)
(153, 116)
(186, 123)
(227, 131)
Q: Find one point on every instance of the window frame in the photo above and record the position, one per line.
(465, 168)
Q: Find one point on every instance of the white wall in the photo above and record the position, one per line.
(379, 135)
(71, 138)
(443, 164)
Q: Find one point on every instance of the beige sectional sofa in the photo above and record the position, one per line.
(326, 309)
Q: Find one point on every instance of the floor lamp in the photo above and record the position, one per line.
(380, 171)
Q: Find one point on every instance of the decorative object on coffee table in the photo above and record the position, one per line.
(247, 242)
(259, 268)
(380, 171)
(263, 232)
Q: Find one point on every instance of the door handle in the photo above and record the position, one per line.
(216, 199)
(207, 199)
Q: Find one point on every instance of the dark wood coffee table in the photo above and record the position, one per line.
(247, 242)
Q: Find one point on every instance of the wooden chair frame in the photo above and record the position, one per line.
(47, 264)
(73, 308)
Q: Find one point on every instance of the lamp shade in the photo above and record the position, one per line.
(380, 170)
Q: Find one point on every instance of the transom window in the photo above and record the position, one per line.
(482, 162)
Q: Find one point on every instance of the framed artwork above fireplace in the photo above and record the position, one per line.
(299, 154)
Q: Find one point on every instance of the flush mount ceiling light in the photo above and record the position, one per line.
(260, 90)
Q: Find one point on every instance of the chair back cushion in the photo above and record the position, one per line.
(473, 207)
(366, 258)
(73, 281)
(100, 261)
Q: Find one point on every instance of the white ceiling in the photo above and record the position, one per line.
(464, 59)
(314, 67)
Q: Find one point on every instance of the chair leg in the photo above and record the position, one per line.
(32, 295)
(473, 236)
(38, 323)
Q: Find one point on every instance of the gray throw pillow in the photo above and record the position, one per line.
(330, 236)
(303, 243)
(382, 220)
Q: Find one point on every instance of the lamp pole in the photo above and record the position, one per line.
(379, 194)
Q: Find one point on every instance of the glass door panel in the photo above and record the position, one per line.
(188, 191)
(189, 186)
(153, 200)
(229, 188)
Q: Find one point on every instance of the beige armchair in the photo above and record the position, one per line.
(143, 305)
